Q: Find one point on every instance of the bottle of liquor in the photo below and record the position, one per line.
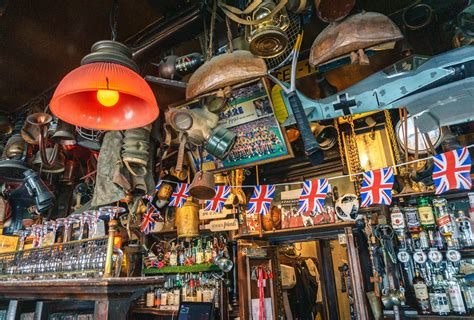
(421, 293)
(208, 253)
(199, 253)
(181, 255)
(427, 219)
(173, 256)
(413, 224)
(455, 296)
(464, 225)
(398, 225)
(438, 297)
(443, 219)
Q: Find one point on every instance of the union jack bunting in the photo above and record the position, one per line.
(452, 170)
(313, 195)
(148, 221)
(217, 203)
(179, 195)
(261, 199)
(377, 187)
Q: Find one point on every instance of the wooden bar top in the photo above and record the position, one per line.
(77, 289)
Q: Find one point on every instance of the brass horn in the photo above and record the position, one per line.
(35, 131)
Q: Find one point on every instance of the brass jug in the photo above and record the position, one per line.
(187, 219)
(202, 187)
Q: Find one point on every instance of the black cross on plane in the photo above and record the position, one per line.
(344, 104)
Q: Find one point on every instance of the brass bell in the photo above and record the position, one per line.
(64, 134)
(35, 126)
(58, 163)
(165, 191)
(202, 187)
(187, 219)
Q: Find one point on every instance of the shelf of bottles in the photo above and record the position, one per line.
(193, 271)
(432, 236)
(199, 254)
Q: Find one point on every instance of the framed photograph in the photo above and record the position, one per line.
(249, 113)
(374, 147)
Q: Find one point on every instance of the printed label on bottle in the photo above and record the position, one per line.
(455, 296)
(426, 215)
(397, 220)
(443, 221)
(439, 302)
(412, 217)
(421, 291)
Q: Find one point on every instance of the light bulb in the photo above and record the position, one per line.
(108, 98)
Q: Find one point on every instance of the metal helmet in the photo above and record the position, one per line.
(347, 207)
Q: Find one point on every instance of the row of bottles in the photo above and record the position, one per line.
(424, 224)
(442, 293)
(202, 287)
(197, 251)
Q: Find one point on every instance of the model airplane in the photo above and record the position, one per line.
(437, 91)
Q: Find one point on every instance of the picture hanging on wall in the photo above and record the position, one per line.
(250, 114)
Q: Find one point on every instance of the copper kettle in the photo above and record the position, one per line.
(202, 187)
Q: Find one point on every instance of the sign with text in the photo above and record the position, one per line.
(223, 225)
(206, 215)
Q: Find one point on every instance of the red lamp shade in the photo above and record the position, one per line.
(104, 95)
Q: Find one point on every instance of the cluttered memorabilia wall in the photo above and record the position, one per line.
(320, 176)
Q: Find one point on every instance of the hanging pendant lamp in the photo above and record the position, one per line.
(105, 92)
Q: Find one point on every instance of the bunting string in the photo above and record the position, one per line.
(330, 178)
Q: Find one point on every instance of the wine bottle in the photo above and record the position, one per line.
(421, 293)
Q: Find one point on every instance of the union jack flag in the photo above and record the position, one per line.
(217, 203)
(313, 195)
(179, 195)
(377, 187)
(148, 221)
(261, 199)
(452, 170)
(158, 185)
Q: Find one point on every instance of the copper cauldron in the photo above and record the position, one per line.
(202, 187)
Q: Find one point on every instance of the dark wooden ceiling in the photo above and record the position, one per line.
(41, 41)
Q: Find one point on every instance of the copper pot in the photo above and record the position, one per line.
(202, 187)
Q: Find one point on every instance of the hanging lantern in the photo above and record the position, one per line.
(105, 92)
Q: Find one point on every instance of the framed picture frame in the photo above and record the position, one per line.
(374, 148)
(260, 139)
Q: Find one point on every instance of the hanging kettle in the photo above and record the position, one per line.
(202, 187)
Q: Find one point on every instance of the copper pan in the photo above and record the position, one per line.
(225, 70)
(333, 10)
(360, 31)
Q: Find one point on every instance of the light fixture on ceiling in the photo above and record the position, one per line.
(105, 92)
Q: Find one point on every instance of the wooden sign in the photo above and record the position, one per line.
(207, 215)
(223, 225)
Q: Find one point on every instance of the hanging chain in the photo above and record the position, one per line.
(391, 134)
(339, 142)
(210, 49)
(354, 156)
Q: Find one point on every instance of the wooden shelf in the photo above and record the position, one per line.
(456, 194)
(323, 231)
(204, 267)
(153, 311)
